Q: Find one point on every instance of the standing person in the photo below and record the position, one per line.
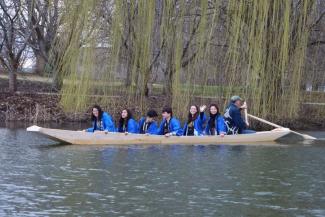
(170, 126)
(126, 123)
(233, 119)
(216, 123)
(196, 119)
(101, 121)
(148, 124)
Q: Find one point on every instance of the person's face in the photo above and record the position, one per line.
(165, 115)
(193, 110)
(238, 103)
(149, 119)
(95, 112)
(124, 114)
(213, 110)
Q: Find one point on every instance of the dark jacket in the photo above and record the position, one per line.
(152, 129)
(233, 119)
(107, 124)
(219, 125)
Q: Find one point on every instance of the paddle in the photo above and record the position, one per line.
(305, 136)
(245, 113)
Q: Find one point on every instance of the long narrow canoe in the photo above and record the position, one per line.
(101, 138)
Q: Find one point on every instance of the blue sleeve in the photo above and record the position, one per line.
(140, 124)
(221, 125)
(176, 127)
(200, 122)
(207, 130)
(153, 129)
(237, 119)
(108, 123)
(160, 131)
(184, 129)
(133, 126)
(202, 118)
(90, 129)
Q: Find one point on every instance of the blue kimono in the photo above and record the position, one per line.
(219, 126)
(132, 127)
(198, 125)
(173, 127)
(150, 128)
(106, 124)
(234, 120)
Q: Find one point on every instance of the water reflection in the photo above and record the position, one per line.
(41, 178)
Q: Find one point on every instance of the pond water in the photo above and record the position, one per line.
(42, 178)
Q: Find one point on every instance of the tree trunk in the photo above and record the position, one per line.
(128, 80)
(168, 84)
(12, 82)
(57, 81)
(40, 64)
(156, 47)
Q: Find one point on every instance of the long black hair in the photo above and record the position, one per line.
(215, 105)
(100, 113)
(212, 118)
(121, 121)
(191, 118)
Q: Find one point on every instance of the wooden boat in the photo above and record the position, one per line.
(102, 138)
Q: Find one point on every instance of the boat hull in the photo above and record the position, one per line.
(101, 138)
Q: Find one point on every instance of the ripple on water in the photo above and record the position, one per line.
(94, 195)
(140, 187)
(317, 212)
(304, 194)
(265, 193)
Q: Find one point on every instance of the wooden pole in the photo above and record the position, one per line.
(245, 113)
(305, 136)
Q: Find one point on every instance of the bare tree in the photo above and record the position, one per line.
(13, 41)
(42, 19)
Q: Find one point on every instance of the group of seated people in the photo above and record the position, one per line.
(197, 123)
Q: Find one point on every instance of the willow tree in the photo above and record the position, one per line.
(271, 37)
(253, 48)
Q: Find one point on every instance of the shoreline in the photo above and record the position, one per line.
(38, 108)
(35, 102)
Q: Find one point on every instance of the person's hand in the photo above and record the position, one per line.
(202, 108)
(126, 133)
(168, 134)
(222, 134)
(106, 131)
(83, 130)
(244, 106)
(147, 134)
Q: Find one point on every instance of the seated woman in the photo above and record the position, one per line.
(216, 123)
(169, 126)
(195, 121)
(148, 124)
(102, 121)
(126, 123)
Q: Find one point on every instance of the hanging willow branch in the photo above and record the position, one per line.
(261, 57)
